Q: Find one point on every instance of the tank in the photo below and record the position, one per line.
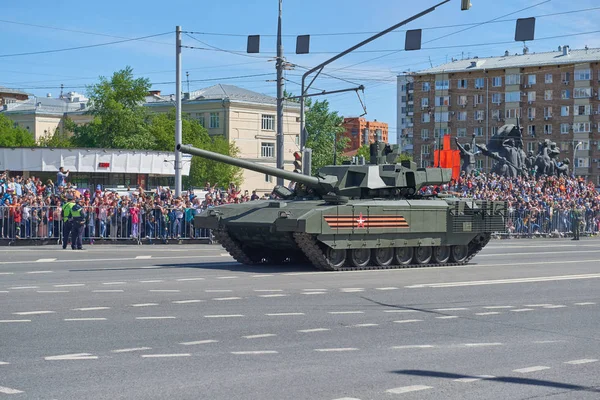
(357, 215)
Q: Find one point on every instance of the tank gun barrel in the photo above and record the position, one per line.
(265, 169)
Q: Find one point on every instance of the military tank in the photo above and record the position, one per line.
(354, 216)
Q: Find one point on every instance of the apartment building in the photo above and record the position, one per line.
(359, 131)
(554, 94)
(404, 122)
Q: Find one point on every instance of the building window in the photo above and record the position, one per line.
(462, 84)
(496, 115)
(531, 146)
(495, 129)
(548, 78)
(496, 98)
(564, 146)
(530, 96)
(582, 110)
(478, 131)
(547, 94)
(425, 117)
(462, 100)
(581, 127)
(581, 93)
(479, 164)
(268, 122)
(531, 79)
(548, 112)
(565, 77)
(531, 113)
(297, 140)
(425, 149)
(548, 129)
(461, 132)
(479, 83)
(565, 94)
(425, 87)
(442, 85)
(442, 101)
(513, 113)
(267, 150)
(479, 115)
(403, 99)
(477, 99)
(585, 145)
(462, 115)
(424, 102)
(564, 129)
(214, 120)
(583, 162)
(268, 178)
(200, 119)
(513, 79)
(441, 116)
(437, 132)
(582, 75)
(425, 134)
(354, 131)
(564, 111)
(531, 130)
(497, 81)
(512, 97)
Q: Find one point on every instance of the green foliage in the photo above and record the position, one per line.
(404, 157)
(364, 151)
(11, 136)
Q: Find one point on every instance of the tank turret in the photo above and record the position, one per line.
(382, 177)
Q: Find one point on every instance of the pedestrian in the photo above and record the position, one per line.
(576, 221)
(61, 177)
(67, 219)
(77, 225)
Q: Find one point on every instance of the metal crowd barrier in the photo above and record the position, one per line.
(549, 223)
(102, 224)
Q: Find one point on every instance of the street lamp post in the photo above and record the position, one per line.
(574, 152)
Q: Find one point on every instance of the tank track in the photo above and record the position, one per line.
(232, 247)
(310, 246)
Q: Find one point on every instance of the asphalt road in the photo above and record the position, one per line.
(187, 322)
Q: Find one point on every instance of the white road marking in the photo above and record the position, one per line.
(582, 361)
(399, 311)
(414, 346)
(4, 363)
(556, 306)
(254, 352)
(315, 290)
(218, 290)
(153, 281)
(488, 313)
(522, 309)
(165, 290)
(506, 281)
(7, 273)
(363, 325)
(497, 307)
(165, 355)
(345, 312)
(14, 320)
(46, 260)
(587, 303)
(142, 257)
(226, 277)
(308, 293)
(108, 291)
(447, 317)
(198, 342)
(407, 389)
(264, 335)
(51, 291)
(91, 308)
(538, 305)
(337, 349)
(531, 369)
(268, 290)
(451, 309)
(70, 285)
(386, 288)
(227, 298)
(352, 290)
(474, 379)
(84, 319)
(114, 283)
(189, 279)
(403, 321)
(261, 276)
(7, 390)
(167, 317)
(77, 356)
(187, 301)
(224, 316)
(347, 398)
(314, 330)
(284, 314)
(39, 272)
(131, 349)
(34, 312)
(273, 295)
(482, 344)
(225, 254)
(23, 287)
(547, 341)
(144, 304)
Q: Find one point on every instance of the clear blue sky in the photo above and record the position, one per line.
(347, 22)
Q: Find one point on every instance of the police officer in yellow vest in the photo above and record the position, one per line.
(67, 219)
(77, 225)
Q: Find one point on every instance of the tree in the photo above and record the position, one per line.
(11, 136)
(364, 151)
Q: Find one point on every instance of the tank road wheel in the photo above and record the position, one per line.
(459, 253)
(423, 254)
(441, 254)
(336, 257)
(404, 255)
(360, 257)
(383, 256)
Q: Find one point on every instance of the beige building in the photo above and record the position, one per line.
(246, 118)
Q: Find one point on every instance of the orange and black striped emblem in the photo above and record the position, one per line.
(361, 221)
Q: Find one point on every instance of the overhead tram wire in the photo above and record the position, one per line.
(215, 48)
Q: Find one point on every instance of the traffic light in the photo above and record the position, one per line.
(298, 162)
(465, 5)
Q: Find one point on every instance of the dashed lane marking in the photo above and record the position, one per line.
(165, 355)
(254, 352)
(413, 346)
(284, 314)
(142, 257)
(227, 277)
(404, 321)
(114, 283)
(77, 356)
(363, 325)
(498, 307)
(164, 290)
(352, 290)
(4, 291)
(70, 285)
(218, 290)
(7, 273)
(582, 361)
(39, 272)
(91, 308)
(189, 279)
(538, 305)
(507, 281)
(84, 319)
(7, 390)
(482, 344)
(345, 312)
(447, 317)
(264, 335)
(268, 290)
(386, 288)
(144, 304)
(4, 363)
(474, 379)
(315, 290)
(108, 291)
(261, 275)
(451, 309)
(227, 298)
(52, 291)
(224, 316)
(531, 369)
(45, 260)
(198, 342)
(309, 293)
(522, 309)
(187, 301)
(407, 389)
(34, 312)
(587, 303)
(131, 350)
(314, 330)
(556, 306)
(273, 295)
(8, 321)
(337, 349)
(23, 287)
(166, 317)
(547, 341)
(488, 313)
(153, 281)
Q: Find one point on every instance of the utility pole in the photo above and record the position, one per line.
(279, 66)
(177, 110)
